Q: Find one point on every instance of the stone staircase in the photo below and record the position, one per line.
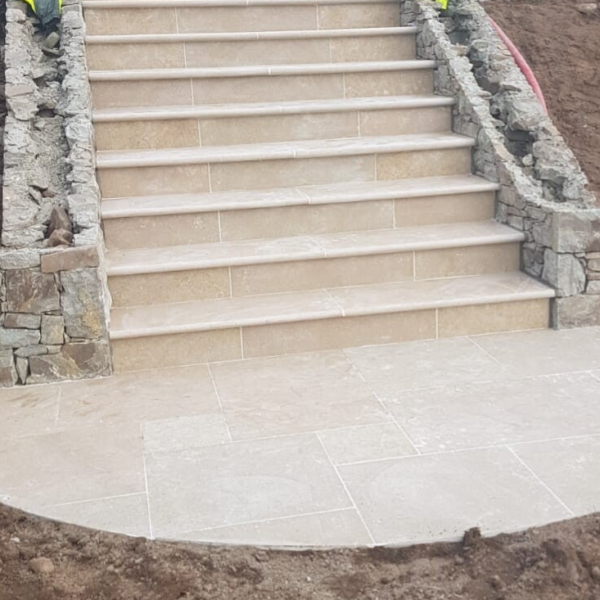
(278, 177)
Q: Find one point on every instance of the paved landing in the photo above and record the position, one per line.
(377, 445)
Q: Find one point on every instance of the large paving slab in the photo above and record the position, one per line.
(392, 444)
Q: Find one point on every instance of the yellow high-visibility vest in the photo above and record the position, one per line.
(44, 8)
(444, 3)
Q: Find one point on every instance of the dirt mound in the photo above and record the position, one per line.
(44, 560)
(561, 42)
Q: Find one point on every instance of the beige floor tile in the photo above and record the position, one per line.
(242, 482)
(570, 468)
(405, 121)
(160, 231)
(316, 274)
(136, 354)
(306, 220)
(152, 181)
(467, 261)
(330, 334)
(217, 19)
(492, 318)
(294, 394)
(72, 466)
(439, 497)
(278, 128)
(461, 208)
(545, 352)
(268, 89)
(28, 411)
(185, 433)
(388, 83)
(336, 528)
(123, 21)
(133, 56)
(366, 443)
(174, 286)
(429, 163)
(362, 49)
(501, 412)
(125, 514)
(257, 52)
(147, 135)
(137, 397)
(127, 94)
(391, 369)
(349, 16)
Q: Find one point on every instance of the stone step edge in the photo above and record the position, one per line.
(360, 244)
(299, 196)
(260, 70)
(538, 291)
(247, 36)
(220, 111)
(281, 151)
(108, 4)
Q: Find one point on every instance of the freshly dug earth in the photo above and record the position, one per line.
(562, 46)
(45, 560)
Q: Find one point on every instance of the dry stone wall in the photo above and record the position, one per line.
(53, 293)
(543, 190)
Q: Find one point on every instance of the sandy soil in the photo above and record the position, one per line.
(44, 560)
(562, 45)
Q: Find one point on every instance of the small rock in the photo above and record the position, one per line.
(59, 219)
(41, 565)
(60, 237)
(51, 41)
(596, 573)
(590, 8)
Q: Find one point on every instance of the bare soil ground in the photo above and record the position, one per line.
(562, 46)
(44, 560)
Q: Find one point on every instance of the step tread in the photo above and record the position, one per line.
(146, 206)
(123, 159)
(163, 38)
(323, 304)
(107, 4)
(259, 70)
(269, 108)
(252, 252)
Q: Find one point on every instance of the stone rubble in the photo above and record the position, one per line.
(53, 292)
(543, 189)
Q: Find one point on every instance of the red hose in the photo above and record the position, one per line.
(522, 63)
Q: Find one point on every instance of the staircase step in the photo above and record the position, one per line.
(234, 328)
(123, 17)
(190, 50)
(262, 166)
(188, 126)
(158, 221)
(182, 273)
(218, 85)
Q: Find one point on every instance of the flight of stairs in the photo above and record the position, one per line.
(278, 177)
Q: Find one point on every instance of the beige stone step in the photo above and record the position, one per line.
(216, 125)
(181, 50)
(288, 164)
(275, 83)
(124, 17)
(158, 221)
(183, 273)
(234, 328)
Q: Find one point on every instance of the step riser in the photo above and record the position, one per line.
(273, 278)
(288, 221)
(327, 334)
(248, 53)
(124, 21)
(274, 88)
(255, 175)
(155, 135)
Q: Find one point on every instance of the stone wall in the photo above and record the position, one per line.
(55, 303)
(543, 190)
